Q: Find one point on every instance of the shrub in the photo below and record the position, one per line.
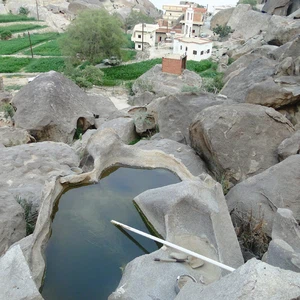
(6, 34)
(8, 110)
(195, 90)
(222, 31)
(23, 11)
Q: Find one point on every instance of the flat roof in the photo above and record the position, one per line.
(147, 27)
(173, 56)
(195, 40)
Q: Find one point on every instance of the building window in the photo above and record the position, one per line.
(194, 52)
(186, 48)
(202, 52)
(139, 46)
(208, 51)
(139, 36)
(180, 47)
(193, 31)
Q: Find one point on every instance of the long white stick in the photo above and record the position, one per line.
(184, 250)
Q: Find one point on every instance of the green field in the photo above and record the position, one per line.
(15, 18)
(47, 49)
(15, 45)
(20, 27)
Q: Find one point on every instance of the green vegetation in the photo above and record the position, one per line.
(230, 61)
(15, 18)
(127, 55)
(191, 89)
(50, 48)
(23, 11)
(136, 17)
(14, 87)
(222, 31)
(5, 35)
(128, 42)
(15, 45)
(94, 35)
(13, 64)
(253, 3)
(20, 27)
(8, 110)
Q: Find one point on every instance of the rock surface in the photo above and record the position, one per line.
(276, 7)
(238, 14)
(289, 146)
(253, 280)
(221, 18)
(182, 152)
(51, 108)
(261, 195)
(164, 84)
(10, 136)
(16, 280)
(238, 141)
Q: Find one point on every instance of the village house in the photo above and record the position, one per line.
(144, 34)
(196, 16)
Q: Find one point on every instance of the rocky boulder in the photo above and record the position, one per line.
(276, 7)
(175, 113)
(221, 18)
(253, 280)
(262, 194)
(184, 153)
(10, 136)
(289, 146)
(238, 14)
(239, 141)
(52, 107)
(164, 84)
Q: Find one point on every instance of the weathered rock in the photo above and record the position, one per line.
(295, 14)
(182, 152)
(144, 123)
(242, 75)
(276, 7)
(262, 194)
(238, 140)
(10, 136)
(281, 30)
(23, 173)
(3, 10)
(176, 112)
(164, 84)
(124, 127)
(221, 18)
(237, 15)
(294, 6)
(289, 146)
(16, 280)
(142, 99)
(253, 280)
(291, 49)
(200, 229)
(5, 97)
(51, 107)
(249, 24)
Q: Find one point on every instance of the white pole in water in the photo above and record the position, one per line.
(184, 250)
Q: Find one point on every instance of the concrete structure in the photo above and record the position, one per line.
(174, 63)
(195, 48)
(193, 21)
(174, 13)
(144, 34)
(165, 33)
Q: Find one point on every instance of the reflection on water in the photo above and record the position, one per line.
(86, 253)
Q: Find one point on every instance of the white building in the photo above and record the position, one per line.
(144, 34)
(195, 48)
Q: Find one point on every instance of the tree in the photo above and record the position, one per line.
(222, 31)
(92, 36)
(136, 17)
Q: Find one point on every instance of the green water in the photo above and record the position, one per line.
(86, 253)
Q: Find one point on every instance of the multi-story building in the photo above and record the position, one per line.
(144, 34)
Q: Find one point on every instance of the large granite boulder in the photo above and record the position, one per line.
(175, 113)
(294, 6)
(10, 136)
(289, 146)
(24, 172)
(51, 107)
(284, 249)
(239, 140)
(238, 14)
(261, 195)
(164, 84)
(221, 18)
(16, 280)
(192, 214)
(184, 153)
(276, 7)
(253, 280)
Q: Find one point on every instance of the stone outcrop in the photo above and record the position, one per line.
(276, 7)
(253, 280)
(262, 194)
(289, 146)
(175, 113)
(171, 210)
(10, 136)
(221, 18)
(238, 140)
(52, 107)
(184, 153)
(16, 279)
(164, 84)
(238, 14)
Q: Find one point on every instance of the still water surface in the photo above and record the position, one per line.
(86, 253)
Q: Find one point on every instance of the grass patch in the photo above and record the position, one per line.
(50, 48)
(14, 45)
(45, 65)
(129, 43)
(15, 18)
(20, 27)
(14, 87)
(13, 64)
(127, 55)
(129, 72)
